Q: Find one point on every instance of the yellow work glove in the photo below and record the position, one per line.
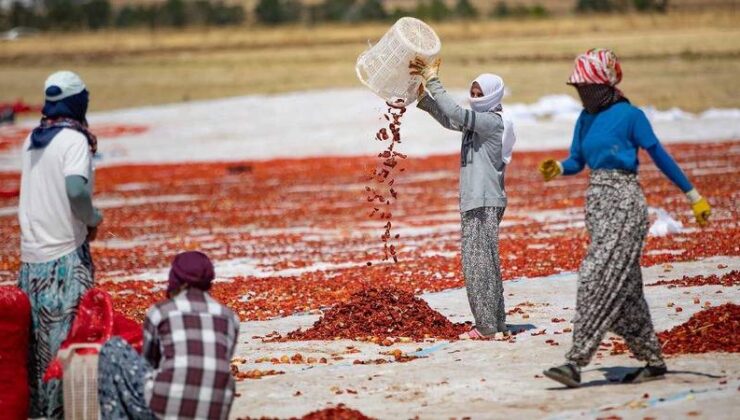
(427, 71)
(700, 206)
(420, 92)
(550, 169)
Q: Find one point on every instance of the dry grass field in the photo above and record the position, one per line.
(681, 59)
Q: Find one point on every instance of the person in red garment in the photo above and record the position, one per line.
(189, 340)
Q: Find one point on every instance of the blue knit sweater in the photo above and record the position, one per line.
(610, 139)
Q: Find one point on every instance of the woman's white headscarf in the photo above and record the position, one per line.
(493, 92)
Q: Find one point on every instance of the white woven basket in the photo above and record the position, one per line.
(384, 67)
(80, 383)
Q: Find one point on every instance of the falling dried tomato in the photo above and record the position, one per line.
(388, 163)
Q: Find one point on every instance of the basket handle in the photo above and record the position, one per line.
(66, 353)
(360, 67)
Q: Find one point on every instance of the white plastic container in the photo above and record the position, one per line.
(80, 383)
(384, 67)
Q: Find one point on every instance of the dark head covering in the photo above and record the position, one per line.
(596, 98)
(74, 107)
(595, 75)
(192, 269)
(65, 106)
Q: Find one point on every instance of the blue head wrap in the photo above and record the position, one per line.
(73, 107)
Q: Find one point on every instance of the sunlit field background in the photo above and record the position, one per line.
(253, 142)
(689, 59)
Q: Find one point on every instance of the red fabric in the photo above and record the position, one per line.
(129, 330)
(598, 66)
(15, 325)
(96, 322)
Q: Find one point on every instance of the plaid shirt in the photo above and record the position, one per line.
(189, 340)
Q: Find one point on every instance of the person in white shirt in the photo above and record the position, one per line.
(57, 221)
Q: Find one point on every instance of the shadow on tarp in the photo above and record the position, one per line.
(613, 376)
(517, 328)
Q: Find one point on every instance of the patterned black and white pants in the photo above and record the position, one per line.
(482, 268)
(610, 295)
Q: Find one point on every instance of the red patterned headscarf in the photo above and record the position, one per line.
(597, 66)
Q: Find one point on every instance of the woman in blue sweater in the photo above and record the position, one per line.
(607, 137)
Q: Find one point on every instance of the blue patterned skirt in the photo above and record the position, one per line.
(54, 289)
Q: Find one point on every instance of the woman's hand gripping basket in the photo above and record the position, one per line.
(384, 67)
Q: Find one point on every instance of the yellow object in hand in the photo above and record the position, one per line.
(550, 169)
(420, 92)
(702, 211)
(427, 71)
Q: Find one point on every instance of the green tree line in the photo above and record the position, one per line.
(284, 11)
(97, 14)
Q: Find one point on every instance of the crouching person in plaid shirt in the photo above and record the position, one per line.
(189, 340)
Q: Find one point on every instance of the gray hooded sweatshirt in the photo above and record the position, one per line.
(481, 162)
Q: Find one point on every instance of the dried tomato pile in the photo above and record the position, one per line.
(300, 225)
(13, 136)
(712, 330)
(728, 280)
(381, 313)
(383, 191)
(340, 412)
(253, 374)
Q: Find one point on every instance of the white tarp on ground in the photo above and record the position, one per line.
(342, 122)
(500, 380)
(482, 379)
